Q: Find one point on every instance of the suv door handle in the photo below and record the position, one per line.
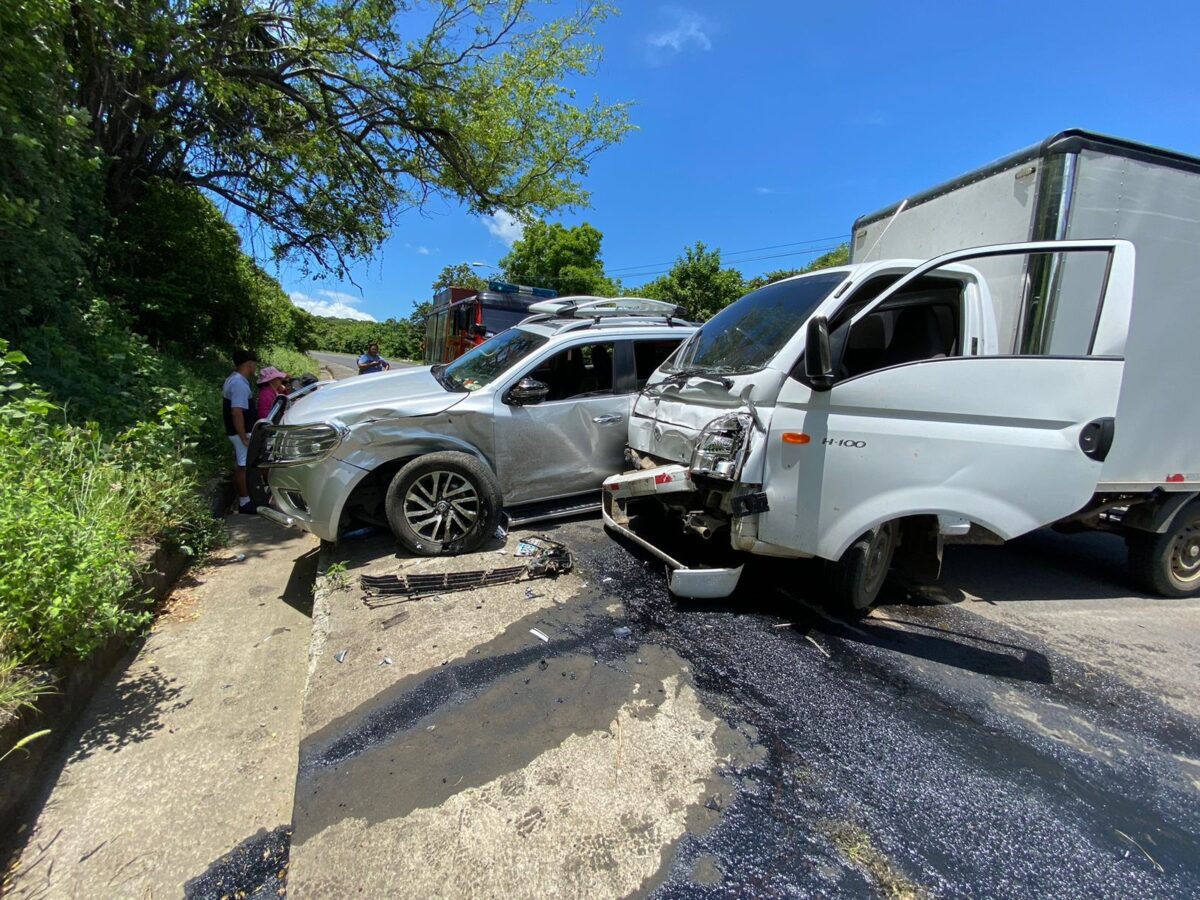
(607, 420)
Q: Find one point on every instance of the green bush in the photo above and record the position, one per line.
(290, 361)
(76, 508)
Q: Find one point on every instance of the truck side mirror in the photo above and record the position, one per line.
(818, 359)
(527, 392)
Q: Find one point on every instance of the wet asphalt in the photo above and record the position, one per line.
(922, 750)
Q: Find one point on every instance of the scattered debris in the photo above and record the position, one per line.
(623, 631)
(241, 557)
(341, 655)
(783, 625)
(818, 646)
(550, 560)
(360, 533)
(386, 661)
(539, 635)
(1153, 861)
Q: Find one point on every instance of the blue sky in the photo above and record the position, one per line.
(766, 123)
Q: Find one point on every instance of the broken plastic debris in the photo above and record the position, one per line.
(386, 661)
(241, 557)
(526, 549)
(623, 631)
(341, 655)
(539, 635)
(501, 532)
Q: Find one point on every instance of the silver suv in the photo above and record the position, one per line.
(532, 421)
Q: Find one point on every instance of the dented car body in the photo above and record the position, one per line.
(535, 415)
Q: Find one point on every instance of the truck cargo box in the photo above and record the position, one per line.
(1081, 185)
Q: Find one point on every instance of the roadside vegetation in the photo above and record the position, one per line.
(144, 149)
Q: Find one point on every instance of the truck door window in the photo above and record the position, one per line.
(921, 323)
(580, 371)
(1062, 303)
(649, 355)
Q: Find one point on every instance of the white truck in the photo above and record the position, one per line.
(869, 414)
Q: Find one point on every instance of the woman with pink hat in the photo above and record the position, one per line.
(271, 383)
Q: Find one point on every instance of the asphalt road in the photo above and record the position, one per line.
(974, 757)
(1037, 737)
(345, 364)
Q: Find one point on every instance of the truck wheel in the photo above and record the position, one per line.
(443, 503)
(1168, 564)
(854, 580)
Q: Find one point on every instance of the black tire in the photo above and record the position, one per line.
(1168, 564)
(443, 503)
(854, 581)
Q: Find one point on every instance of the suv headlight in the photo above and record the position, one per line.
(294, 445)
(722, 446)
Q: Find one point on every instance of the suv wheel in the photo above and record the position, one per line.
(443, 503)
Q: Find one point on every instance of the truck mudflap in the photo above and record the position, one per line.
(684, 581)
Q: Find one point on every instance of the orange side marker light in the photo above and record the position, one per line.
(796, 437)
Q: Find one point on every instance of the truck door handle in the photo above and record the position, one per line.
(1096, 437)
(607, 420)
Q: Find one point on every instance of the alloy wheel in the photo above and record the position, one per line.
(441, 506)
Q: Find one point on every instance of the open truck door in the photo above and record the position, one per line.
(900, 408)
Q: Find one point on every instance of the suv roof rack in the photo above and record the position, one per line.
(588, 307)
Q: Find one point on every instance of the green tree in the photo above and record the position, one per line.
(565, 259)
(321, 120)
(698, 283)
(459, 275)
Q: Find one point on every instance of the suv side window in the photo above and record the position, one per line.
(579, 371)
(649, 355)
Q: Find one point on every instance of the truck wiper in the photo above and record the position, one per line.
(683, 376)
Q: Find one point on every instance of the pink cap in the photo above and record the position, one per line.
(270, 373)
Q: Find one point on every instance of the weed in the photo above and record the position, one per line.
(336, 573)
(18, 688)
(855, 844)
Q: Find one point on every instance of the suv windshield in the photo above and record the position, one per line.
(479, 367)
(745, 335)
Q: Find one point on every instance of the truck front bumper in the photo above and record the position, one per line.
(684, 581)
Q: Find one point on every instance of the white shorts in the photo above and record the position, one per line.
(239, 450)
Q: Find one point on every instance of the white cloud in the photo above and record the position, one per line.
(424, 251)
(336, 305)
(689, 31)
(504, 225)
(421, 249)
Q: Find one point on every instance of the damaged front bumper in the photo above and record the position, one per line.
(684, 581)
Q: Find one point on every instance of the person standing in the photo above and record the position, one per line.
(271, 383)
(236, 405)
(371, 361)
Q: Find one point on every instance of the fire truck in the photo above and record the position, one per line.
(463, 318)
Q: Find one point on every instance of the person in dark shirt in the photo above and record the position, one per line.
(371, 361)
(236, 404)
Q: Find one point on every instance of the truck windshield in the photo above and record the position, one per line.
(482, 365)
(745, 335)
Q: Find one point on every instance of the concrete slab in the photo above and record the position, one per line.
(482, 761)
(188, 750)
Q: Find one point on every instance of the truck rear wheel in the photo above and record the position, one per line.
(854, 580)
(443, 503)
(1168, 564)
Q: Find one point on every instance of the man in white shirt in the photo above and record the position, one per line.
(237, 399)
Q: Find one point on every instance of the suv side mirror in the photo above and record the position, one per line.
(818, 359)
(527, 392)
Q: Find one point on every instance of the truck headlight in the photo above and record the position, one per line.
(294, 445)
(722, 447)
